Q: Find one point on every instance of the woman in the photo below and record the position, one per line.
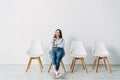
(57, 51)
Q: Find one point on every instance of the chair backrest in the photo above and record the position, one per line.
(100, 49)
(77, 48)
(35, 48)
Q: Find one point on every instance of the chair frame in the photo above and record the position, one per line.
(61, 62)
(105, 60)
(39, 61)
(82, 61)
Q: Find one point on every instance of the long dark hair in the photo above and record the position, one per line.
(60, 33)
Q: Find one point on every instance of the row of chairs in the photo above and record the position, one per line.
(78, 52)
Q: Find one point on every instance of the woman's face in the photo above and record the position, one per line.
(57, 33)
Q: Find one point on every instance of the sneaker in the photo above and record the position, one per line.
(57, 73)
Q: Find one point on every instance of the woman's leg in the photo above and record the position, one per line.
(60, 54)
(53, 59)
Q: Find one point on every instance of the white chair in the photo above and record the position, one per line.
(78, 52)
(100, 52)
(35, 51)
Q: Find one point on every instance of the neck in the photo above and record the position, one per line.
(57, 37)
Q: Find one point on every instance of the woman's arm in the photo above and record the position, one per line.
(61, 45)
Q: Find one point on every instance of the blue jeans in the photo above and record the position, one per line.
(56, 55)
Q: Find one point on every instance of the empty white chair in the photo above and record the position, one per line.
(100, 52)
(35, 51)
(78, 52)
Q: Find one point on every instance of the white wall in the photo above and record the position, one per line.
(89, 20)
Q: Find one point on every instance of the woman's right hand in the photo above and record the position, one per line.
(54, 45)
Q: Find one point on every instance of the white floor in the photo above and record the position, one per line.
(17, 72)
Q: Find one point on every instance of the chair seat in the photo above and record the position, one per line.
(34, 55)
(101, 55)
(78, 56)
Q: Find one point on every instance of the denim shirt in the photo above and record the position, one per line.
(59, 42)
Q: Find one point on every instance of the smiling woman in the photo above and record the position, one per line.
(57, 51)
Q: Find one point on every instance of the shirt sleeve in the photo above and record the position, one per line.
(51, 45)
(53, 42)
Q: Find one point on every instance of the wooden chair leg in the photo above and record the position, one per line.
(109, 68)
(73, 64)
(104, 63)
(97, 63)
(63, 66)
(29, 63)
(94, 63)
(84, 65)
(39, 61)
(49, 67)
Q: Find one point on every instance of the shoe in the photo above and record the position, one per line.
(57, 73)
